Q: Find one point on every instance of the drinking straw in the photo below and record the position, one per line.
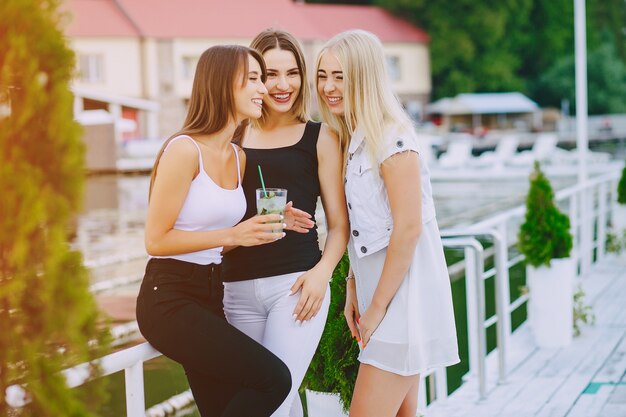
(262, 183)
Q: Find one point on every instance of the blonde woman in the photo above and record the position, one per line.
(399, 303)
(278, 293)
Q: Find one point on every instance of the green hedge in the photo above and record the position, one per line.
(335, 365)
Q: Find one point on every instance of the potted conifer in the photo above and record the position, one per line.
(329, 382)
(546, 242)
(618, 219)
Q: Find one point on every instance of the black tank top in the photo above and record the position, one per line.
(295, 169)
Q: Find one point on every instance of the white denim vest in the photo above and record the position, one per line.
(371, 222)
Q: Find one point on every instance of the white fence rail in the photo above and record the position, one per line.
(589, 206)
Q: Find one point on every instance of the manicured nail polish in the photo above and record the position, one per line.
(294, 316)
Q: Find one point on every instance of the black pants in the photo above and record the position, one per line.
(230, 374)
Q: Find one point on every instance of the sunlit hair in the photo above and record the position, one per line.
(212, 103)
(368, 97)
(278, 39)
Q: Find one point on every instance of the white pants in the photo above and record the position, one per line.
(262, 308)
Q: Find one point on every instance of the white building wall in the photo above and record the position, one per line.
(120, 64)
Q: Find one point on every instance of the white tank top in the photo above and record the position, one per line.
(208, 207)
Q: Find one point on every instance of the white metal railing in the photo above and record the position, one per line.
(588, 204)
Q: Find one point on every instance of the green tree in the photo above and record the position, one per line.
(545, 234)
(471, 44)
(550, 36)
(608, 17)
(606, 78)
(47, 316)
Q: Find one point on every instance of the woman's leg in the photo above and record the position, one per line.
(230, 374)
(294, 343)
(263, 310)
(379, 393)
(409, 405)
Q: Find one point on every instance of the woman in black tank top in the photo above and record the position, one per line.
(278, 293)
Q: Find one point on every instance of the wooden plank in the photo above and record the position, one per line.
(590, 404)
(614, 367)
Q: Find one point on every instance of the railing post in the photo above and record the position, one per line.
(471, 306)
(476, 263)
(441, 382)
(602, 198)
(575, 224)
(481, 312)
(503, 297)
(586, 233)
(135, 402)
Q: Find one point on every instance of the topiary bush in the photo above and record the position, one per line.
(545, 234)
(621, 188)
(334, 366)
(48, 319)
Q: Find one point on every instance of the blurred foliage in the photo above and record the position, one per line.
(47, 316)
(510, 45)
(621, 185)
(606, 82)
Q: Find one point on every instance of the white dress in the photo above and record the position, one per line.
(418, 331)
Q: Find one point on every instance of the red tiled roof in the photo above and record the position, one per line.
(97, 18)
(233, 19)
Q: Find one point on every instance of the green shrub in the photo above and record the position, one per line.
(545, 234)
(621, 188)
(47, 315)
(334, 366)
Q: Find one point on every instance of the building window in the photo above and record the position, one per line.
(189, 66)
(393, 67)
(90, 68)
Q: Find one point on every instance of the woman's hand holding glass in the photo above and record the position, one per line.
(258, 230)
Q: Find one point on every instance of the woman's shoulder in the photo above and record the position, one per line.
(181, 146)
(327, 133)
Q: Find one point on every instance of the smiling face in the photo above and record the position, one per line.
(283, 80)
(330, 83)
(249, 96)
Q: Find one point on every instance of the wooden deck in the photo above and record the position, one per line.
(588, 378)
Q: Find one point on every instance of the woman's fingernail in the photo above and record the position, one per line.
(284, 225)
(295, 316)
(284, 234)
(282, 217)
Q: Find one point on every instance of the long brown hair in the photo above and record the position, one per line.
(279, 39)
(212, 103)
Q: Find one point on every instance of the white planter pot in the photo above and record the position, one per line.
(551, 303)
(618, 219)
(323, 404)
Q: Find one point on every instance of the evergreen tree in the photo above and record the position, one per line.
(621, 188)
(47, 316)
(545, 234)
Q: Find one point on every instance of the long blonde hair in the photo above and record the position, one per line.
(279, 39)
(212, 103)
(369, 101)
